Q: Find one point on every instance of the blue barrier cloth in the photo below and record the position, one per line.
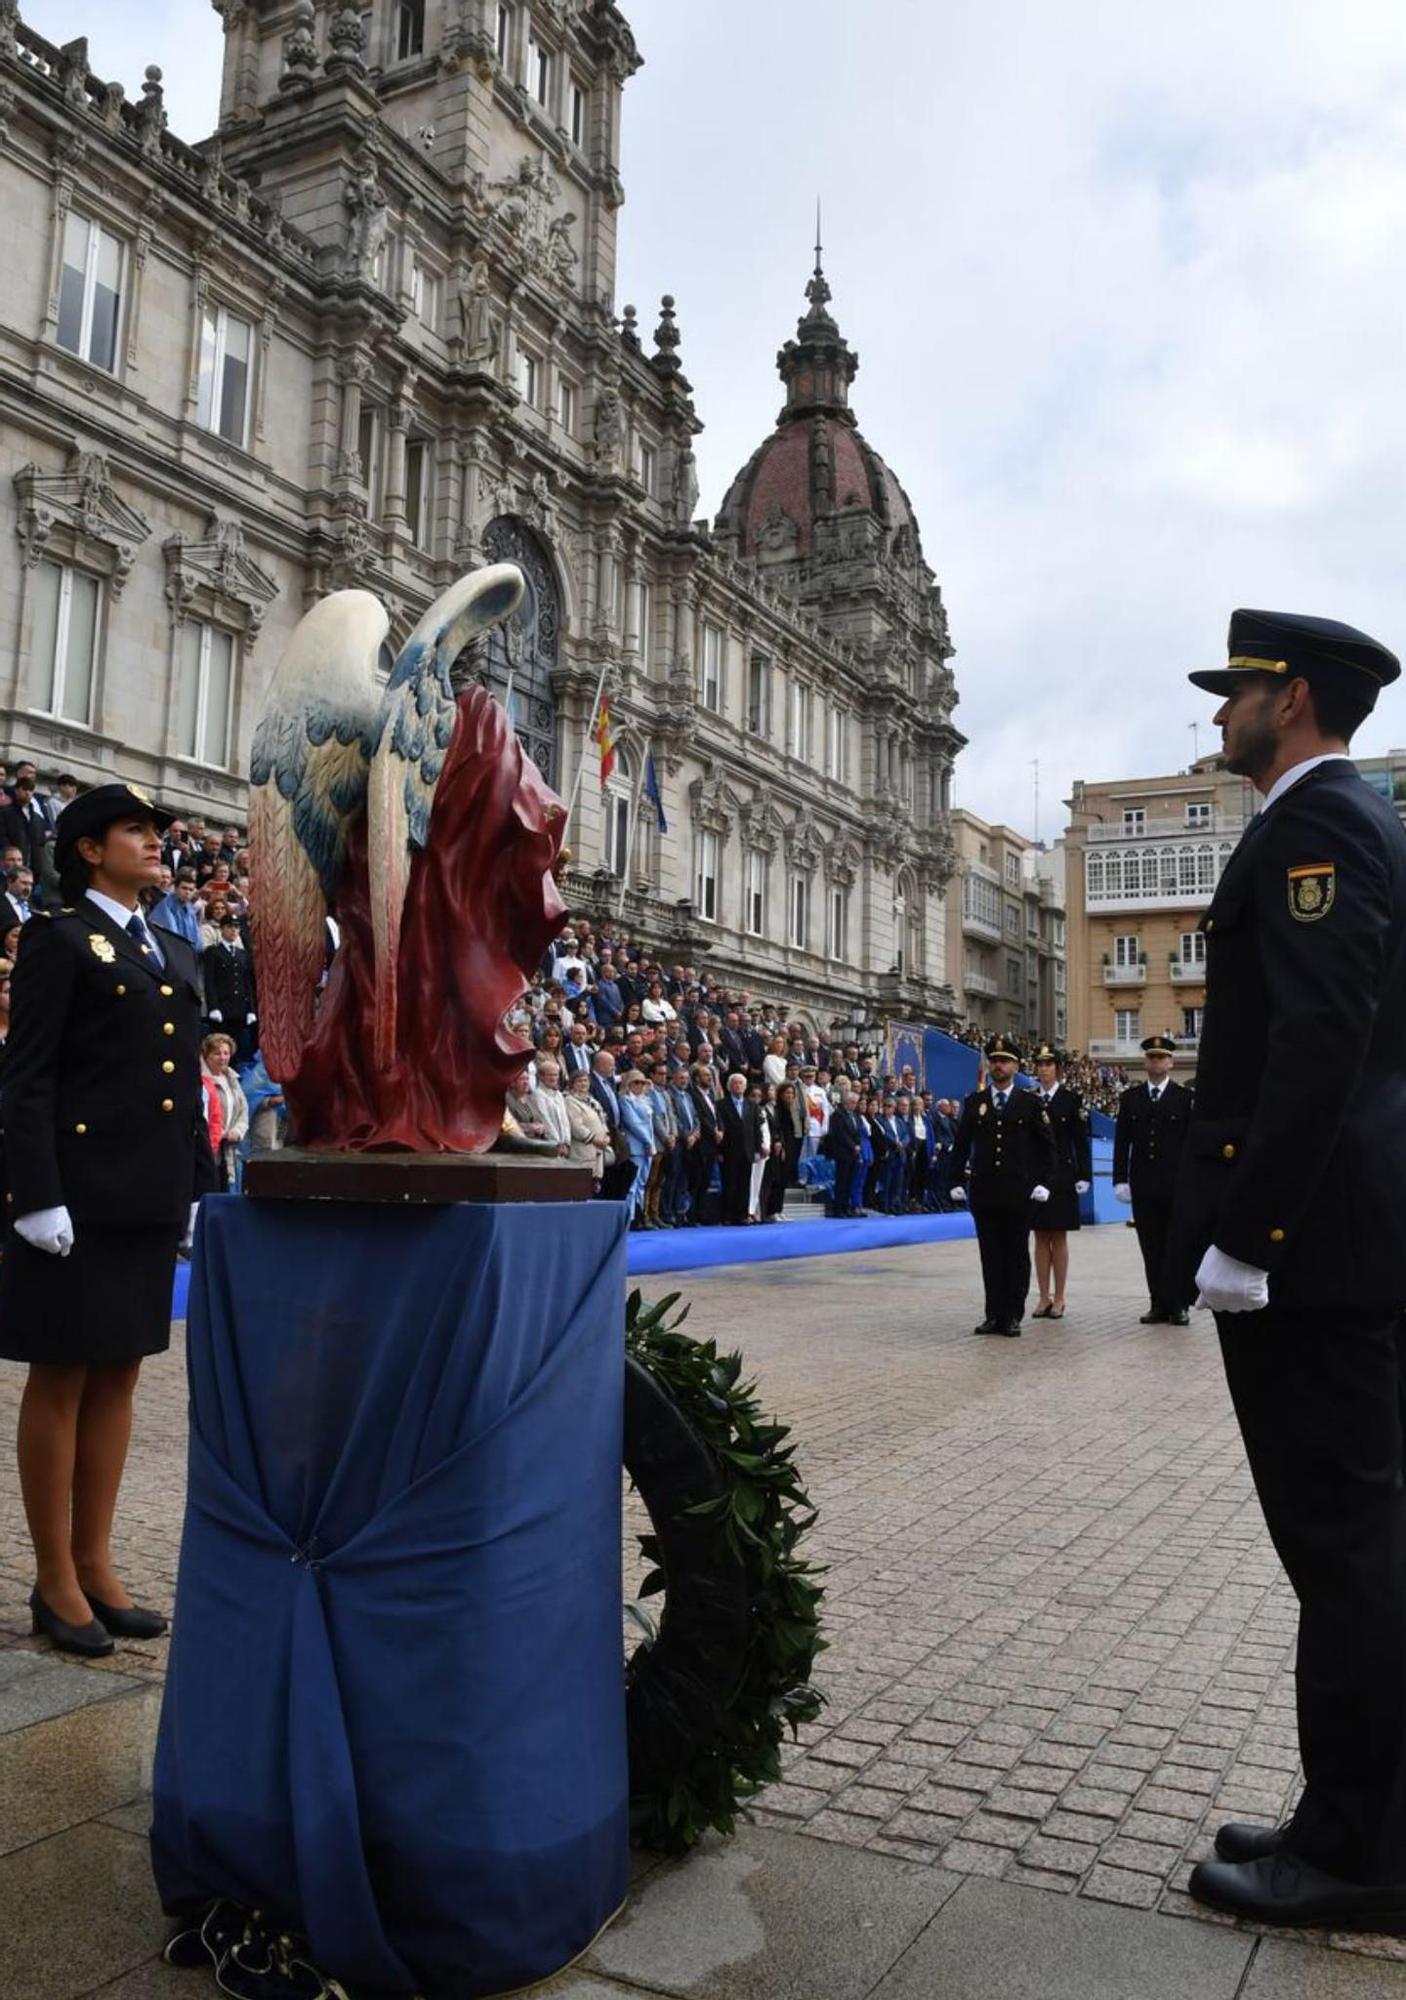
(395, 1715)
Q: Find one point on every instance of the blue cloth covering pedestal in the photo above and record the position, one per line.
(395, 1716)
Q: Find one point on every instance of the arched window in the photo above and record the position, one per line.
(908, 927)
(615, 811)
(525, 646)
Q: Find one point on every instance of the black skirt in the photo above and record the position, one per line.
(109, 1299)
(1061, 1211)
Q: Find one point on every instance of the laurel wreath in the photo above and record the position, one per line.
(747, 1532)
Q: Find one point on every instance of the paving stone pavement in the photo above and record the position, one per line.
(1060, 1654)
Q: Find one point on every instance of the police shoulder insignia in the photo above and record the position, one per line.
(1312, 887)
(102, 947)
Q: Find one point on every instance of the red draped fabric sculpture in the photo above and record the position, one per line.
(418, 816)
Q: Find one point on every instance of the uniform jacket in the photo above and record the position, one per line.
(228, 978)
(1296, 1157)
(1009, 1152)
(1069, 1128)
(1148, 1140)
(103, 1111)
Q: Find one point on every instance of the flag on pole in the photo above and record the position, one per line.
(652, 791)
(605, 741)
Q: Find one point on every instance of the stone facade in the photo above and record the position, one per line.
(1006, 932)
(366, 334)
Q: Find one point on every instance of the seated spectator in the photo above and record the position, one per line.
(551, 1106)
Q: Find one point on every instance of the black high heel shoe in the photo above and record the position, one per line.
(131, 1623)
(91, 1641)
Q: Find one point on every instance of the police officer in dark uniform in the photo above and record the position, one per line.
(106, 1153)
(1153, 1120)
(1004, 1140)
(1293, 1194)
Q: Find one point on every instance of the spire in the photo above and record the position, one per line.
(818, 365)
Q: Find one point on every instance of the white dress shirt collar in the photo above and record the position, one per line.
(1296, 771)
(117, 912)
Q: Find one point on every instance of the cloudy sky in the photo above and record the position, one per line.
(1127, 284)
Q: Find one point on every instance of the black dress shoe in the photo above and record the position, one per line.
(1281, 1889)
(987, 1326)
(91, 1641)
(1153, 1318)
(131, 1623)
(1010, 1328)
(1181, 1318)
(1238, 1842)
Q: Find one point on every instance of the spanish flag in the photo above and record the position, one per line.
(605, 741)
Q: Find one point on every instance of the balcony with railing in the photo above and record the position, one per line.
(1219, 825)
(1188, 972)
(980, 982)
(1125, 975)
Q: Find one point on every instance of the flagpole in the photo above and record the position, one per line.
(581, 766)
(631, 826)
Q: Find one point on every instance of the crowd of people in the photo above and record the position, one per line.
(691, 1101)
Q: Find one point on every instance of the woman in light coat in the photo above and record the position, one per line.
(590, 1135)
(216, 1055)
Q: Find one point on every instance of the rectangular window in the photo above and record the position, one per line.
(649, 466)
(1134, 819)
(754, 893)
(65, 640)
(369, 439)
(419, 468)
(505, 35)
(204, 692)
(834, 738)
(409, 29)
(800, 721)
(1012, 920)
(713, 667)
(1198, 812)
(566, 407)
(1013, 871)
(578, 115)
(1127, 1024)
(759, 695)
(1126, 950)
(644, 623)
(424, 295)
(226, 361)
(800, 911)
(839, 923)
(539, 71)
(705, 875)
(1013, 977)
(529, 378)
(1191, 1023)
(90, 292)
(617, 823)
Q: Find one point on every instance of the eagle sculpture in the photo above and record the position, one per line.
(410, 813)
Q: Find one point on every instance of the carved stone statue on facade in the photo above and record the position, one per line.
(479, 329)
(685, 487)
(777, 535)
(151, 113)
(561, 255)
(609, 426)
(367, 201)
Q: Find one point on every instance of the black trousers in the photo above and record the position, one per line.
(1153, 1221)
(1003, 1238)
(1321, 1400)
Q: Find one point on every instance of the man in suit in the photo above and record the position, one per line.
(740, 1141)
(25, 824)
(846, 1149)
(619, 1169)
(576, 1053)
(1290, 1192)
(16, 905)
(1003, 1138)
(678, 1205)
(700, 1165)
(1153, 1120)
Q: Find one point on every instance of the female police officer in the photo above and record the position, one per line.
(106, 1152)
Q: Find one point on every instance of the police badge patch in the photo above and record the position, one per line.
(101, 948)
(1312, 888)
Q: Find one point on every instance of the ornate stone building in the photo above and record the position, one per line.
(367, 334)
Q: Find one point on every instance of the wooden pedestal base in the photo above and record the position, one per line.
(294, 1174)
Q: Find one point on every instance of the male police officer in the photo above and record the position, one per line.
(1293, 1187)
(1005, 1137)
(1153, 1118)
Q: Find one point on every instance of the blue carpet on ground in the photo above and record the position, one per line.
(764, 1243)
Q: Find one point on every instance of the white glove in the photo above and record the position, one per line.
(189, 1236)
(215, 1015)
(1039, 1194)
(1081, 1187)
(959, 1194)
(1123, 1191)
(249, 1020)
(1228, 1286)
(47, 1229)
